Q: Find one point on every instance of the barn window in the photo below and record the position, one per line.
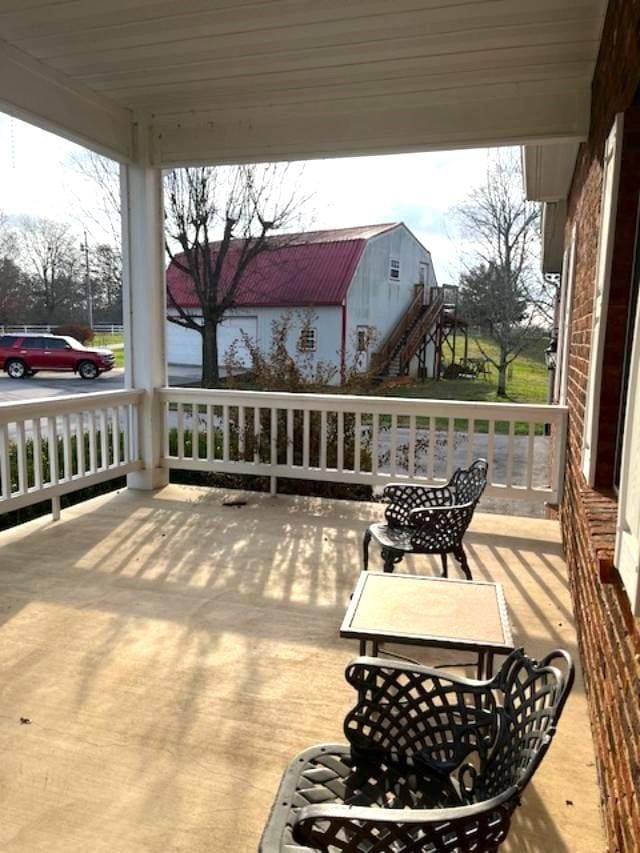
(394, 270)
(307, 340)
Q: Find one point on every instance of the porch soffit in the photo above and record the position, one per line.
(224, 81)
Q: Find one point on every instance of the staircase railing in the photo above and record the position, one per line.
(382, 356)
(420, 329)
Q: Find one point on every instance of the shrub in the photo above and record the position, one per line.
(80, 332)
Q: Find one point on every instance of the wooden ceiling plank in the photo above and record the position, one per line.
(266, 56)
(69, 51)
(524, 114)
(69, 20)
(419, 56)
(33, 92)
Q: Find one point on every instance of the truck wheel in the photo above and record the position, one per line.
(87, 370)
(16, 369)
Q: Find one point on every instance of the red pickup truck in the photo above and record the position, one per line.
(24, 355)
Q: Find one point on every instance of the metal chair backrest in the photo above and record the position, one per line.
(492, 735)
(468, 484)
(534, 695)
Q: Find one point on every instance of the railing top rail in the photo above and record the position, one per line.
(349, 402)
(49, 406)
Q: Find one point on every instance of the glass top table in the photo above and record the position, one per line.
(420, 610)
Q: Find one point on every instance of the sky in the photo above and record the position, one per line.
(37, 178)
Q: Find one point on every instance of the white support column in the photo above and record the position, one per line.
(144, 312)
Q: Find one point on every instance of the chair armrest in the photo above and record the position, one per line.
(345, 828)
(356, 669)
(423, 514)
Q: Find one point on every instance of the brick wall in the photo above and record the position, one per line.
(608, 635)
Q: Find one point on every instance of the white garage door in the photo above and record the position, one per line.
(184, 346)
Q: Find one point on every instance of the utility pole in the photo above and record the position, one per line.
(87, 272)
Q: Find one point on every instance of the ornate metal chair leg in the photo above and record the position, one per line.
(445, 569)
(365, 548)
(462, 557)
(390, 558)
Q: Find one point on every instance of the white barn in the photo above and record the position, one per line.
(357, 284)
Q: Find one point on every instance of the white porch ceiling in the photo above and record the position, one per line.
(225, 81)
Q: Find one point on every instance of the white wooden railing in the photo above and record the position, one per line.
(365, 439)
(52, 446)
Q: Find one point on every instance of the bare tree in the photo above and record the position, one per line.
(12, 297)
(218, 222)
(50, 251)
(99, 212)
(501, 292)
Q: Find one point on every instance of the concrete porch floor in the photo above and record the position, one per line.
(172, 655)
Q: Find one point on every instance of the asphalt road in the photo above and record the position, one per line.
(56, 385)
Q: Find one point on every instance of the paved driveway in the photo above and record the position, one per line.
(56, 385)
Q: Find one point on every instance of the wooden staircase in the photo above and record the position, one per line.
(394, 356)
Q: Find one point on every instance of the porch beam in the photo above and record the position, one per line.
(144, 310)
(506, 114)
(34, 92)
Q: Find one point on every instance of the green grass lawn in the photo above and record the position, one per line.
(111, 341)
(527, 380)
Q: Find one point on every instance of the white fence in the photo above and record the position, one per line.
(20, 329)
(52, 446)
(372, 440)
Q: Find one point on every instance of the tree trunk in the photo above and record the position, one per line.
(502, 376)
(210, 371)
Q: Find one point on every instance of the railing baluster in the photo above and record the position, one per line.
(180, 427)
(273, 437)
(323, 440)
(257, 429)
(431, 461)
(5, 462)
(306, 420)
(37, 454)
(356, 442)
(210, 435)
(52, 445)
(393, 453)
(241, 442)
(195, 433)
(66, 448)
(115, 436)
(93, 466)
(21, 449)
(530, 448)
(340, 439)
(104, 440)
(490, 446)
(167, 428)
(510, 448)
(79, 431)
(450, 447)
(411, 461)
(471, 429)
(225, 433)
(375, 431)
(290, 437)
(126, 435)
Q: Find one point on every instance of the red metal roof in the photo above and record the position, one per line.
(314, 268)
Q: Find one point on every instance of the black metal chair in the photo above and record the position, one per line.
(428, 520)
(434, 762)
